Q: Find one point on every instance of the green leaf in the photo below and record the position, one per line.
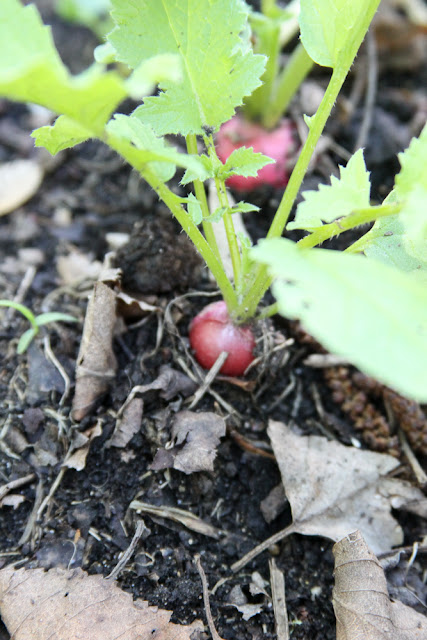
(26, 312)
(32, 71)
(413, 163)
(65, 133)
(83, 11)
(361, 309)
(194, 209)
(344, 195)
(53, 316)
(401, 239)
(244, 207)
(244, 162)
(105, 53)
(165, 67)
(210, 169)
(217, 215)
(148, 148)
(218, 71)
(94, 14)
(332, 30)
(25, 340)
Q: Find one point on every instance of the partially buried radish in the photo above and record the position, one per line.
(212, 332)
(279, 144)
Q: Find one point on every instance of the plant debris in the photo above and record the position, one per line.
(195, 438)
(360, 598)
(65, 605)
(334, 489)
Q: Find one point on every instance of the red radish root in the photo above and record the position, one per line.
(212, 332)
(278, 144)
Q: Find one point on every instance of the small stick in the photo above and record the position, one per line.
(51, 493)
(284, 533)
(249, 446)
(15, 484)
(277, 580)
(31, 522)
(415, 465)
(54, 360)
(209, 378)
(214, 633)
(22, 290)
(140, 527)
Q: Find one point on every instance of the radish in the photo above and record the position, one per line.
(278, 144)
(212, 331)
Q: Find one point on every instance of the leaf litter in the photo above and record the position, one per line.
(361, 600)
(65, 605)
(334, 489)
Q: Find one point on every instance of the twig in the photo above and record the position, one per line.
(51, 493)
(209, 378)
(186, 518)
(277, 537)
(321, 360)
(415, 465)
(29, 527)
(277, 580)
(140, 528)
(249, 446)
(15, 484)
(214, 633)
(22, 290)
(54, 360)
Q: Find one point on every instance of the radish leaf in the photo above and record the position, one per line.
(32, 71)
(332, 30)
(361, 309)
(340, 198)
(218, 67)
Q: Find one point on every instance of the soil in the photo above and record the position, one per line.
(87, 194)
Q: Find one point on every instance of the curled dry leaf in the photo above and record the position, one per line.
(80, 447)
(360, 598)
(333, 489)
(128, 424)
(196, 437)
(169, 383)
(66, 605)
(19, 181)
(96, 362)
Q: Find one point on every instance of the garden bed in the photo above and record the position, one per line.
(79, 515)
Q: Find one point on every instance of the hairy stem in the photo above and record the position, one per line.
(354, 219)
(173, 202)
(287, 83)
(199, 190)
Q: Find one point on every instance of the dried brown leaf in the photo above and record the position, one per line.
(80, 447)
(196, 437)
(361, 602)
(333, 489)
(169, 383)
(96, 362)
(128, 425)
(70, 605)
(130, 307)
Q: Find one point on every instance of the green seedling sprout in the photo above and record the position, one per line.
(35, 321)
(367, 303)
(274, 27)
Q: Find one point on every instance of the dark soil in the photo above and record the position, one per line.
(87, 194)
